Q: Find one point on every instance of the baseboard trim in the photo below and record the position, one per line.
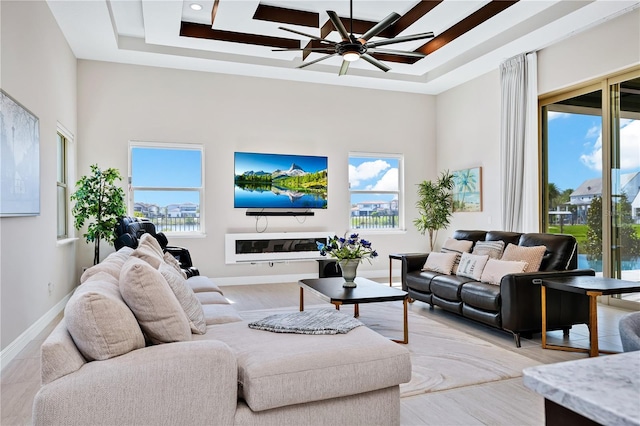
(286, 278)
(14, 348)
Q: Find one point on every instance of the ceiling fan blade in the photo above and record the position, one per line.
(317, 60)
(380, 26)
(400, 39)
(396, 52)
(374, 61)
(344, 68)
(311, 49)
(337, 23)
(321, 40)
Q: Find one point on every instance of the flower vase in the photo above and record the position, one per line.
(349, 268)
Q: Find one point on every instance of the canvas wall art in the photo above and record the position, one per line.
(467, 190)
(20, 159)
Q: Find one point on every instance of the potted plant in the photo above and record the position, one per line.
(435, 205)
(349, 252)
(99, 198)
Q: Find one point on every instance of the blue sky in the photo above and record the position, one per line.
(575, 148)
(248, 161)
(169, 168)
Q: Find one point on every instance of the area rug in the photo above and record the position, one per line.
(442, 357)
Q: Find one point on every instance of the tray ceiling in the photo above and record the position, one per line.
(237, 36)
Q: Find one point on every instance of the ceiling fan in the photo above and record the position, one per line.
(352, 48)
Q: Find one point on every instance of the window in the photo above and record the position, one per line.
(591, 173)
(62, 190)
(167, 185)
(375, 183)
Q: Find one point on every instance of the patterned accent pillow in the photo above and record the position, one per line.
(440, 262)
(471, 266)
(531, 255)
(493, 249)
(451, 245)
(495, 269)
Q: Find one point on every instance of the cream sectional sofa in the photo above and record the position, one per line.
(141, 345)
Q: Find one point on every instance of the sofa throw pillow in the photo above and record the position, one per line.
(493, 249)
(100, 323)
(451, 245)
(186, 297)
(495, 269)
(532, 255)
(156, 308)
(471, 265)
(440, 262)
(149, 250)
(173, 262)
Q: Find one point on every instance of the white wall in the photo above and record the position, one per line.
(468, 116)
(118, 103)
(603, 50)
(39, 70)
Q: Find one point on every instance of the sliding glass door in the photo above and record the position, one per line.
(591, 173)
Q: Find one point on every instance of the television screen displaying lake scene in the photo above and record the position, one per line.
(280, 181)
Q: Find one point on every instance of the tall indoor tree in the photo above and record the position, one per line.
(97, 197)
(435, 205)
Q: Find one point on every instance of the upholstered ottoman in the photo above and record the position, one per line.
(283, 369)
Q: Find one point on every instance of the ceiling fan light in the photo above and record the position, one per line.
(351, 56)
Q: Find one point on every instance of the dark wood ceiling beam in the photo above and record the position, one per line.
(189, 29)
(360, 26)
(287, 16)
(483, 14)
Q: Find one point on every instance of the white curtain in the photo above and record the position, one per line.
(519, 144)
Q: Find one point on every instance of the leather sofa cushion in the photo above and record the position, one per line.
(481, 295)
(473, 235)
(507, 237)
(448, 286)
(491, 318)
(421, 280)
(447, 305)
(561, 252)
(277, 370)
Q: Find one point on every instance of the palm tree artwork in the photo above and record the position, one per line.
(467, 190)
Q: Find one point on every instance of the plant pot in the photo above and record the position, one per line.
(349, 269)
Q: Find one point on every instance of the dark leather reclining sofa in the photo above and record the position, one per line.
(513, 306)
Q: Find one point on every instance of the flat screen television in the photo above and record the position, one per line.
(278, 181)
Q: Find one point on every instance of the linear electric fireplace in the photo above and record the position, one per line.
(273, 247)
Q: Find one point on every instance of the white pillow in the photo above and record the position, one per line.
(186, 297)
(440, 262)
(495, 269)
(471, 265)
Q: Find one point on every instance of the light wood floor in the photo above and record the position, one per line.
(505, 402)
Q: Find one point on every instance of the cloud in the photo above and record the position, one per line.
(552, 115)
(365, 171)
(593, 132)
(629, 148)
(388, 182)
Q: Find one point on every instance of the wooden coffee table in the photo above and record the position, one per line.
(367, 291)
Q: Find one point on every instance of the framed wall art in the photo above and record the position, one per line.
(20, 157)
(467, 190)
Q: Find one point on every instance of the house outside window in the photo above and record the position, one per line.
(375, 183)
(167, 185)
(62, 190)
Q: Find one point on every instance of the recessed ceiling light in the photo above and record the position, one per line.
(195, 6)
